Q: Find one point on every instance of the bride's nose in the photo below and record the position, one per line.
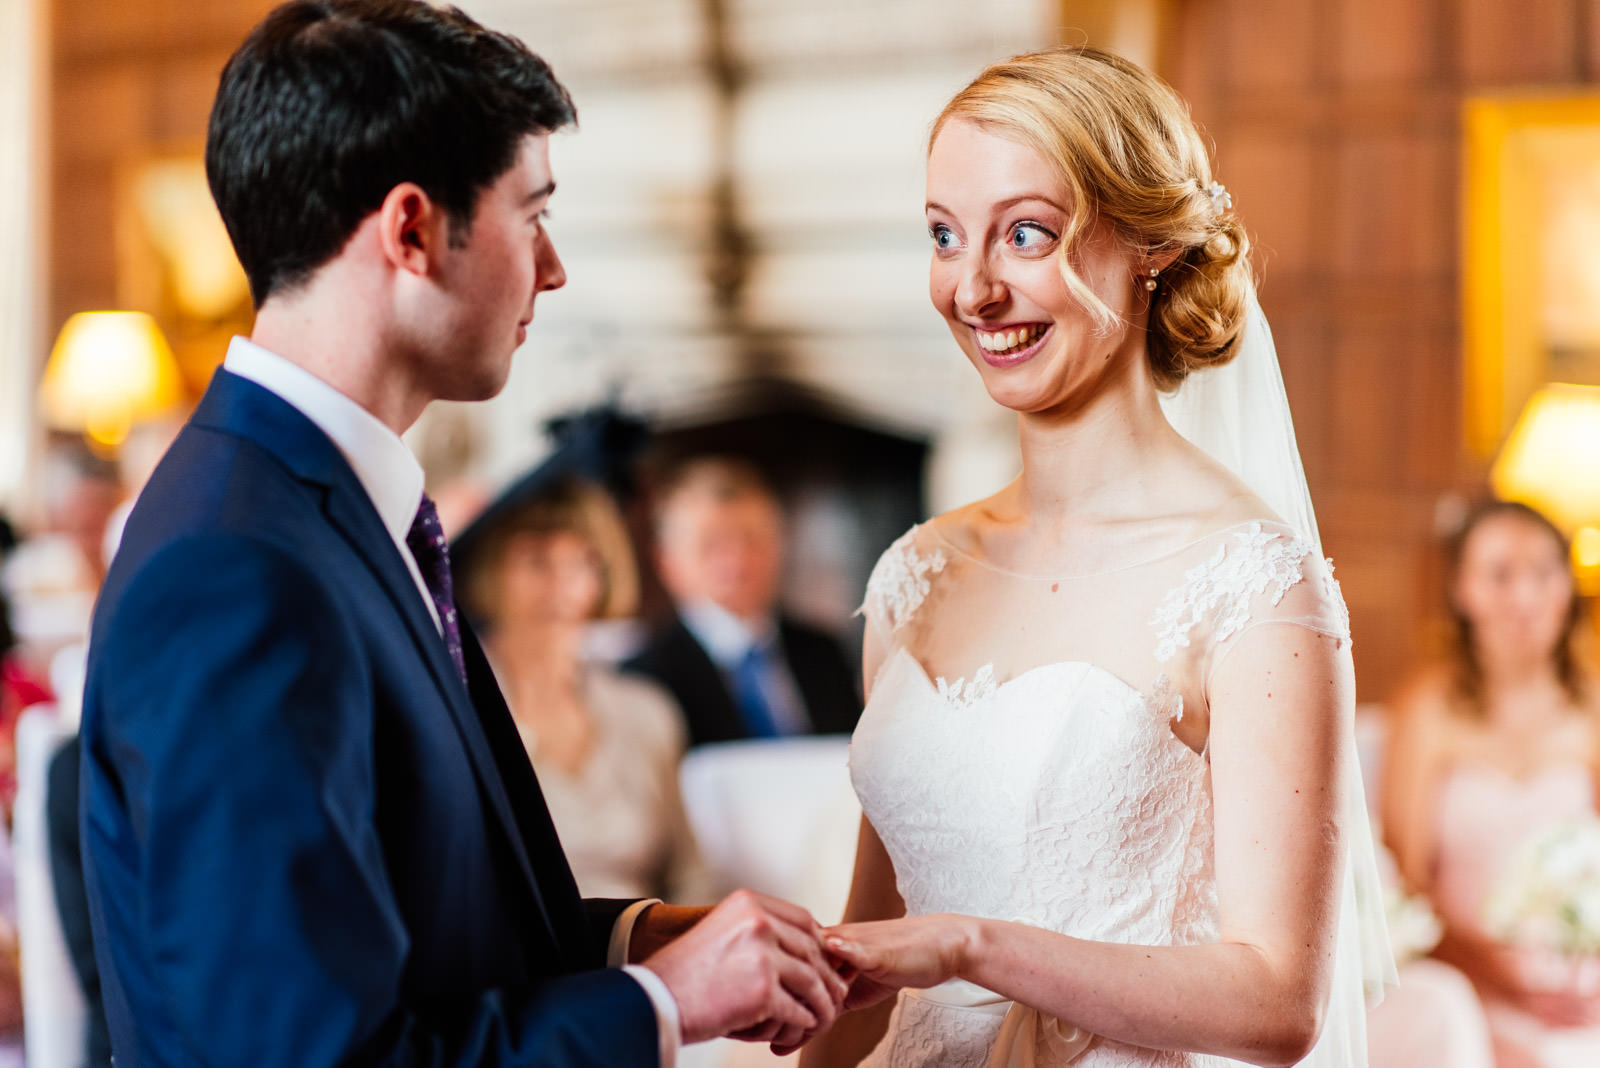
(978, 286)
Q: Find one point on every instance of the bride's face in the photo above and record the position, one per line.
(996, 213)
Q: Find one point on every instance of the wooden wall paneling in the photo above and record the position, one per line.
(1301, 335)
(1391, 212)
(1589, 39)
(1429, 381)
(1270, 46)
(100, 111)
(1386, 43)
(83, 263)
(1380, 587)
(1271, 174)
(1368, 412)
(1529, 41)
(1198, 32)
(129, 77)
(184, 87)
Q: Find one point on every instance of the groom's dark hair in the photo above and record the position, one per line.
(329, 104)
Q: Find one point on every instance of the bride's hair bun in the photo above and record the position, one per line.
(1198, 308)
(1127, 149)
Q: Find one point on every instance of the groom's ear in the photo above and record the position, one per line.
(412, 229)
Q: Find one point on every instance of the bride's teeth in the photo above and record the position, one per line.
(1011, 339)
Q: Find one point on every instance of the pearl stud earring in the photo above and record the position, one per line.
(1150, 283)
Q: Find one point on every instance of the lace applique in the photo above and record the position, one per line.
(1221, 588)
(964, 693)
(901, 582)
(1335, 596)
(1165, 700)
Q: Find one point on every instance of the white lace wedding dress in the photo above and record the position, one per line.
(1034, 750)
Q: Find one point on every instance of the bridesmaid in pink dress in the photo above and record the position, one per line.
(1495, 747)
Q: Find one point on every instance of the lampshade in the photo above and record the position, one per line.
(108, 371)
(1552, 462)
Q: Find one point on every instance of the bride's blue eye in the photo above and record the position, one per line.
(1029, 236)
(943, 236)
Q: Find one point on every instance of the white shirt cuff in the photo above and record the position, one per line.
(622, 932)
(669, 1025)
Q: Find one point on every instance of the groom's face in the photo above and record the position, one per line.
(488, 277)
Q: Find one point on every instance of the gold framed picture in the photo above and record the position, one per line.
(1532, 280)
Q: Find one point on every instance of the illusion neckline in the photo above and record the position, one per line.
(1165, 554)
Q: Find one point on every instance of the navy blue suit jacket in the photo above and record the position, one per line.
(305, 842)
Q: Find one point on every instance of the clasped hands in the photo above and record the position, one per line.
(761, 969)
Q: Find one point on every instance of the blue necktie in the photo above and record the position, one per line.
(747, 678)
(427, 544)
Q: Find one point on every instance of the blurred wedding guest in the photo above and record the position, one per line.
(51, 578)
(606, 746)
(1434, 1016)
(18, 690)
(72, 897)
(738, 666)
(1490, 754)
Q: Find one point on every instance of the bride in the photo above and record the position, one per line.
(1112, 814)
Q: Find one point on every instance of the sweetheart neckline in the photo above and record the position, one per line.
(932, 681)
(1129, 689)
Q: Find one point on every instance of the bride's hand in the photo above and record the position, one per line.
(885, 955)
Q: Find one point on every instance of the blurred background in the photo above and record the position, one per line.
(740, 216)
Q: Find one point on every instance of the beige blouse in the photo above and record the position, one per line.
(621, 817)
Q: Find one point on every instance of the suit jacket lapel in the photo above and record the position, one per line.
(560, 903)
(240, 407)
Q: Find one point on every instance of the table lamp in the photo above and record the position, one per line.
(1552, 462)
(108, 371)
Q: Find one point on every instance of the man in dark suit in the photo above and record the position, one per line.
(738, 667)
(311, 836)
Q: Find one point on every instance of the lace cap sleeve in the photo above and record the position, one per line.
(900, 582)
(1261, 574)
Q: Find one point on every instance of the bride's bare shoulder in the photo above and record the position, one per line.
(1208, 495)
(965, 527)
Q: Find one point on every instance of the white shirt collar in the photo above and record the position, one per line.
(384, 465)
(725, 637)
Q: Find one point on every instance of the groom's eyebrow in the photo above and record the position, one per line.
(537, 194)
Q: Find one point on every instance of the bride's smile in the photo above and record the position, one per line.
(1008, 344)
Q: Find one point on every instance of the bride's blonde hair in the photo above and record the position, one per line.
(1128, 150)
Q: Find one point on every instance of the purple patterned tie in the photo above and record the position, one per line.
(427, 544)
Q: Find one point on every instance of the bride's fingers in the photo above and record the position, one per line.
(854, 954)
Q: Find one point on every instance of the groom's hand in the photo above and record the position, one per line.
(753, 967)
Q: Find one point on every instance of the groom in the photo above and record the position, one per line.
(310, 832)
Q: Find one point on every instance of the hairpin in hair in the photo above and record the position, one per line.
(1221, 199)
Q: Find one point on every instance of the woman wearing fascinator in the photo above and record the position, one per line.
(1112, 810)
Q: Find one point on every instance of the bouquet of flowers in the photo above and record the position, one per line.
(1414, 929)
(1549, 896)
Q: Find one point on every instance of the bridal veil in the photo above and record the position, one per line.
(1239, 414)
